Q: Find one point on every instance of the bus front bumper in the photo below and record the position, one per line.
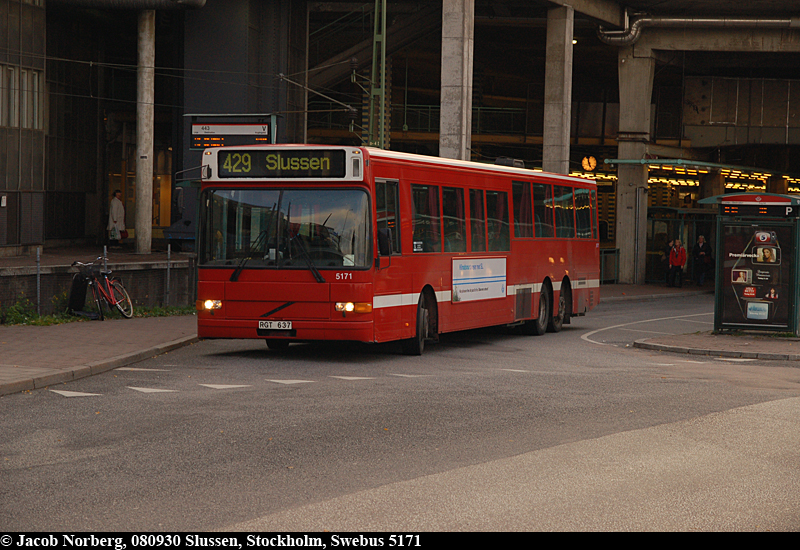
(360, 331)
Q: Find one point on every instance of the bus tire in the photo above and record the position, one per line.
(557, 321)
(538, 326)
(416, 344)
(277, 345)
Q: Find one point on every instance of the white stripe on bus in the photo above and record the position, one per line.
(398, 300)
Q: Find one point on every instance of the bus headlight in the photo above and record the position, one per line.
(212, 304)
(353, 307)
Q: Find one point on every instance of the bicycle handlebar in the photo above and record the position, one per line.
(84, 266)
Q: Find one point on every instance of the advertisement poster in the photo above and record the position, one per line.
(479, 279)
(756, 264)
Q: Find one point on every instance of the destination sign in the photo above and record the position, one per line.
(282, 163)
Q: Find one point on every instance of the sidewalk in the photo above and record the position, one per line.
(34, 357)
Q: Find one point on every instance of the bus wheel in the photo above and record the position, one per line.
(277, 344)
(416, 344)
(557, 321)
(538, 326)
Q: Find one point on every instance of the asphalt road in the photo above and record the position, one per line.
(486, 431)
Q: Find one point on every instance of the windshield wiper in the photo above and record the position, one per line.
(304, 254)
(262, 237)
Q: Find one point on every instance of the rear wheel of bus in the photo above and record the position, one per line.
(557, 321)
(538, 326)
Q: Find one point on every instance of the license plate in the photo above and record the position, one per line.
(275, 325)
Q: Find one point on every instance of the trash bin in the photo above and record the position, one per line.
(77, 293)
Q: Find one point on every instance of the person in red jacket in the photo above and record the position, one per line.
(677, 259)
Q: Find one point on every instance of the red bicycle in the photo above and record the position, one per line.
(105, 288)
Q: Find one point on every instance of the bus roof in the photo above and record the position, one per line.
(396, 155)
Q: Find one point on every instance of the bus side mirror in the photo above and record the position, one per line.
(385, 241)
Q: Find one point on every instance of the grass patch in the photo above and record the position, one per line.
(23, 312)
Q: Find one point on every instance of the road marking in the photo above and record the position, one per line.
(225, 386)
(291, 381)
(410, 375)
(66, 393)
(514, 370)
(150, 390)
(587, 338)
(735, 359)
(353, 377)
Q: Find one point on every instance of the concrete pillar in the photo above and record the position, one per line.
(558, 90)
(712, 184)
(778, 185)
(458, 38)
(145, 94)
(635, 93)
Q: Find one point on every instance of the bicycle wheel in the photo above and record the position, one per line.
(97, 297)
(121, 299)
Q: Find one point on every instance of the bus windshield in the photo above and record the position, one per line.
(285, 228)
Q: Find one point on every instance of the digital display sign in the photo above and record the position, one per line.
(772, 211)
(218, 135)
(281, 163)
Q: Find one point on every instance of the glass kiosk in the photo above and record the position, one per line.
(757, 262)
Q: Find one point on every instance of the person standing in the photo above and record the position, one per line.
(116, 219)
(677, 259)
(665, 260)
(702, 259)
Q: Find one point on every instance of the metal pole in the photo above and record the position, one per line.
(166, 294)
(105, 258)
(39, 280)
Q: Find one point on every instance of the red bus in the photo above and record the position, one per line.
(303, 243)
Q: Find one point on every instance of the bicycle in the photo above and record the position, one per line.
(105, 288)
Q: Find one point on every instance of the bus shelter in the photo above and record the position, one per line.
(757, 263)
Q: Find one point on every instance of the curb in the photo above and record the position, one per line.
(654, 296)
(90, 369)
(643, 344)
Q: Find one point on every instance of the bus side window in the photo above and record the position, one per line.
(427, 221)
(523, 217)
(386, 205)
(543, 209)
(565, 212)
(583, 213)
(477, 221)
(455, 236)
(497, 216)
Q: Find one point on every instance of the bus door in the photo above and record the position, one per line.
(392, 281)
